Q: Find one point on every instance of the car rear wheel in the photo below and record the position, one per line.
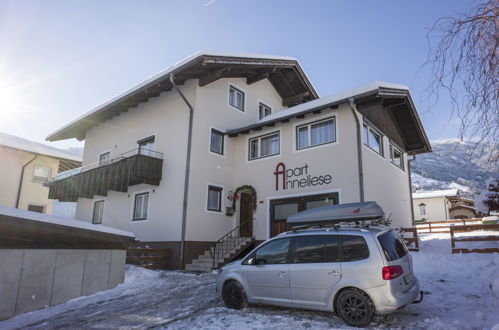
(234, 296)
(355, 308)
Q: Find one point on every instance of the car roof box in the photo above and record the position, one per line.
(348, 212)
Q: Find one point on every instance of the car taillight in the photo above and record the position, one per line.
(391, 272)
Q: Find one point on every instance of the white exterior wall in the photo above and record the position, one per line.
(437, 208)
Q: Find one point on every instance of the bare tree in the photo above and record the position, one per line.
(463, 58)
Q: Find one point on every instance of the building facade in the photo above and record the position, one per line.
(263, 146)
(441, 205)
(25, 166)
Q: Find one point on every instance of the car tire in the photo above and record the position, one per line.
(355, 308)
(234, 296)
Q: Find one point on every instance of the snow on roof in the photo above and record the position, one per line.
(35, 216)
(331, 99)
(169, 70)
(435, 194)
(16, 142)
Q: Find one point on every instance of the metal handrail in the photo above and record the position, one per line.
(227, 242)
(91, 166)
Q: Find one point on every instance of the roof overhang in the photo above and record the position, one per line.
(395, 98)
(284, 73)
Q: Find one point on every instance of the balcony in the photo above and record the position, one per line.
(128, 169)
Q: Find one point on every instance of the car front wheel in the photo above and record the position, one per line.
(233, 295)
(355, 308)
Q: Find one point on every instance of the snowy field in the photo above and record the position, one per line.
(462, 292)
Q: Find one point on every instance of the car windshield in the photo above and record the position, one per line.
(392, 245)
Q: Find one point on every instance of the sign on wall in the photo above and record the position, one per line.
(298, 177)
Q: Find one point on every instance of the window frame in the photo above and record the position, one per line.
(146, 139)
(394, 147)
(137, 194)
(265, 105)
(253, 254)
(101, 162)
(422, 207)
(366, 142)
(44, 207)
(309, 133)
(220, 190)
(101, 201)
(217, 131)
(34, 179)
(243, 106)
(259, 139)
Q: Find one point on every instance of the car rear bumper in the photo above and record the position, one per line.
(387, 302)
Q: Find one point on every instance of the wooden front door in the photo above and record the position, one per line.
(246, 215)
(281, 209)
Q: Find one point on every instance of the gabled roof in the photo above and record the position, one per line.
(405, 114)
(284, 73)
(18, 143)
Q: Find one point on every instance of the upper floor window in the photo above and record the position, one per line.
(422, 209)
(104, 158)
(373, 139)
(396, 156)
(146, 146)
(263, 110)
(41, 173)
(98, 214)
(316, 133)
(236, 98)
(214, 198)
(264, 146)
(217, 142)
(141, 206)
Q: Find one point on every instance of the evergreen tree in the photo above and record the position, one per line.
(492, 200)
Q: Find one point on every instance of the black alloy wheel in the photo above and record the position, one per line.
(355, 308)
(233, 295)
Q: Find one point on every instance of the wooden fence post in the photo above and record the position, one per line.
(429, 224)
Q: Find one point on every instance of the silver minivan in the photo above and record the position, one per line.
(355, 272)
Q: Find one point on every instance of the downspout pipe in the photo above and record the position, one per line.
(351, 102)
(410, 188)
(18, 199)
(187, 171)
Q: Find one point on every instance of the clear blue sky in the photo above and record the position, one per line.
(59, 59)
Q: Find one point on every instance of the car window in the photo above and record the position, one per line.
(392, 245)
(315, 249)
(275, 252)
(354, 248)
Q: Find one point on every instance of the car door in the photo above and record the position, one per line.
(315, 269)
(267, 273)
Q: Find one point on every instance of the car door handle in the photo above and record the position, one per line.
(282, 274)
(334, 273)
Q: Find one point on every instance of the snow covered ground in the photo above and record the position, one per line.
(462, 293)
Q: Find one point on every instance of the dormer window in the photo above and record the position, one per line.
(236, 98)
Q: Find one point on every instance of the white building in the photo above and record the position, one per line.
(261, 141)
(441, 205)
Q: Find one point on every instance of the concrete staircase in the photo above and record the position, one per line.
(204, 263)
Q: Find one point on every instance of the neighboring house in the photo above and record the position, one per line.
(25, 166)
(264, 146)
(442, 205)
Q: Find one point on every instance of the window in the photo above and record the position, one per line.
(274, 252)
(104, 158)
(263, 110)
(214, 198)
(354, 248)
(315, 249)
(316, 133)
(41, 173)
(146, 146)
(264, 146)
(98, 212)
(140, 206)
(217, 142)
(373, 139)
(392, 245)
(36, 208)
(422, 209)
(396, 156)
(236, 98)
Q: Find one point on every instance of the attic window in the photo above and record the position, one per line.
(236, 98)
(396, 156)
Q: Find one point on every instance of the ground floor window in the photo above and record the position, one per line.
(36, 208)
(98, 212)
(214, 198)
(141, 206)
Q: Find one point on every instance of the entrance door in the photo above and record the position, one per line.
(281, 209)
(246, 215)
